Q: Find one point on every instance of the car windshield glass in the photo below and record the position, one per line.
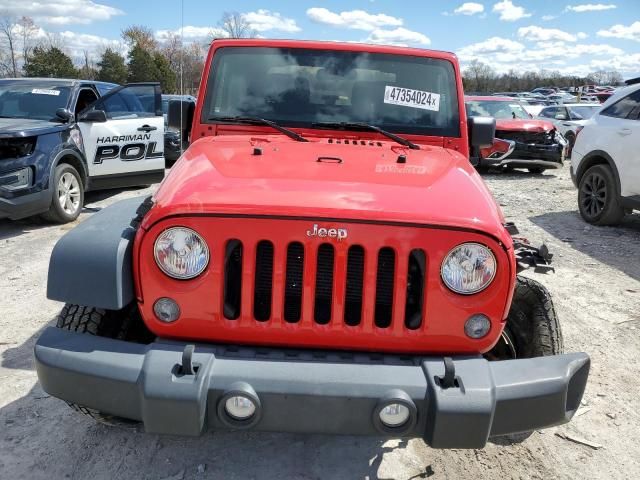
(583, 113)
(495, 109)
(302, 87)
(36, 100)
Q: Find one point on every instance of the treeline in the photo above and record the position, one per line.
(479, 77)
(174, 65)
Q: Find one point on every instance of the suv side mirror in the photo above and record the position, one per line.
(64, 114)
(561, 116)
(482, 131)
(96, 116)
(180, 115)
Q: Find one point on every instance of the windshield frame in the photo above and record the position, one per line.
(40, 83)
(455, 129)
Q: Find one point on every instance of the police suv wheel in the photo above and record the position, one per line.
(68, 195)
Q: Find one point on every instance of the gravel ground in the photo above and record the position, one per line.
(596, 289)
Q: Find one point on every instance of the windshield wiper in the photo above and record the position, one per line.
(260, 121)
(366, 126)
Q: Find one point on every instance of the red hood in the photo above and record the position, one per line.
(221, 174)
(524, 125)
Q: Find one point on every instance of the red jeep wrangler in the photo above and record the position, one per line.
(323, 258)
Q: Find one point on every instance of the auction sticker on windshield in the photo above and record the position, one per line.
(408, 97)
(42, 91)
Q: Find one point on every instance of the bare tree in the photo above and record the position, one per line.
(8, 42)
(27, 30)
(235, 25)
(140, 35)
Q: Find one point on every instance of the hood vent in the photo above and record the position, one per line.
(346, 141)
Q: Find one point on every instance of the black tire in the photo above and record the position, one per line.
(598, 197)
(536, 170)
(532, 330)
(65, 211)
(125, 325)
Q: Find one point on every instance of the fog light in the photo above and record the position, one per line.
(394, 415)
(477, 326)
(240, 407)
(166, 309)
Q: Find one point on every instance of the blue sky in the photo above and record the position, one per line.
(570, 36)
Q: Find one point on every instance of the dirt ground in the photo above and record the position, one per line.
(596, 289)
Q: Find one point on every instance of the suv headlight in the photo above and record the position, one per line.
(468, 268)
(181, 253)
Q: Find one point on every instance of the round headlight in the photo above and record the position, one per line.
(468, 268)
(181, 253)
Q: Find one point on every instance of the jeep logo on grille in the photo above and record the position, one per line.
(322, 232)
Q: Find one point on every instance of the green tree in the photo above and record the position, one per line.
(112, 67)
(142, 67)
(166, 76)
(49, 62)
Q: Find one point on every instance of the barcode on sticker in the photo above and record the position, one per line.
(408, 97)
(42, 91)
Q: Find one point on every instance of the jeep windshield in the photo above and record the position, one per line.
(297, 87)
(33, 99)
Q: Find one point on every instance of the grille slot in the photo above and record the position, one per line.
(293, 282)
(263, 286)
(232, 279)
(324, 284)
(415, 289)
(353, 291)
(384, 287)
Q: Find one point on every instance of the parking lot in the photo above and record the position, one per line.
(596, 289)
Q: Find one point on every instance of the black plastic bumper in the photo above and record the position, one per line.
(532, 155)
(17, 207)
(310, 391)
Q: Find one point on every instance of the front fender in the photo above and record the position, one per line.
(91, 265)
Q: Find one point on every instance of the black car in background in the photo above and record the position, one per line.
(173, 144)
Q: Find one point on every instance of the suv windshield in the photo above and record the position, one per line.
(302, 87)
(496, 109)
(583, 112)
(37, 100)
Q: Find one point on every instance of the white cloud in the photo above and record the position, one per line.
(264, 20)
(510, 12)
(75, 44)
(590, 7)
(546, 18)
(469, 8)
(494, 46)
(504, 54)
(355, 19)
(399, 36)
(60, 12)
(539, 34)
(632, 32)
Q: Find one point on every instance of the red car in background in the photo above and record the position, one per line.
(521, 141)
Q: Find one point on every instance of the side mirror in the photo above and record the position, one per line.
(482, 131)
(95, 116)
(180, 115)
(561, 116)
(64, 114)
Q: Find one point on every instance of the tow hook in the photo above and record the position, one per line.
(449, 379)
(187, 367)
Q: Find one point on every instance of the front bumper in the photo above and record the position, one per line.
(310, 391)
(532, 155)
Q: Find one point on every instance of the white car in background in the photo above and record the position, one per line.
(569, 118)
(605, 165)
